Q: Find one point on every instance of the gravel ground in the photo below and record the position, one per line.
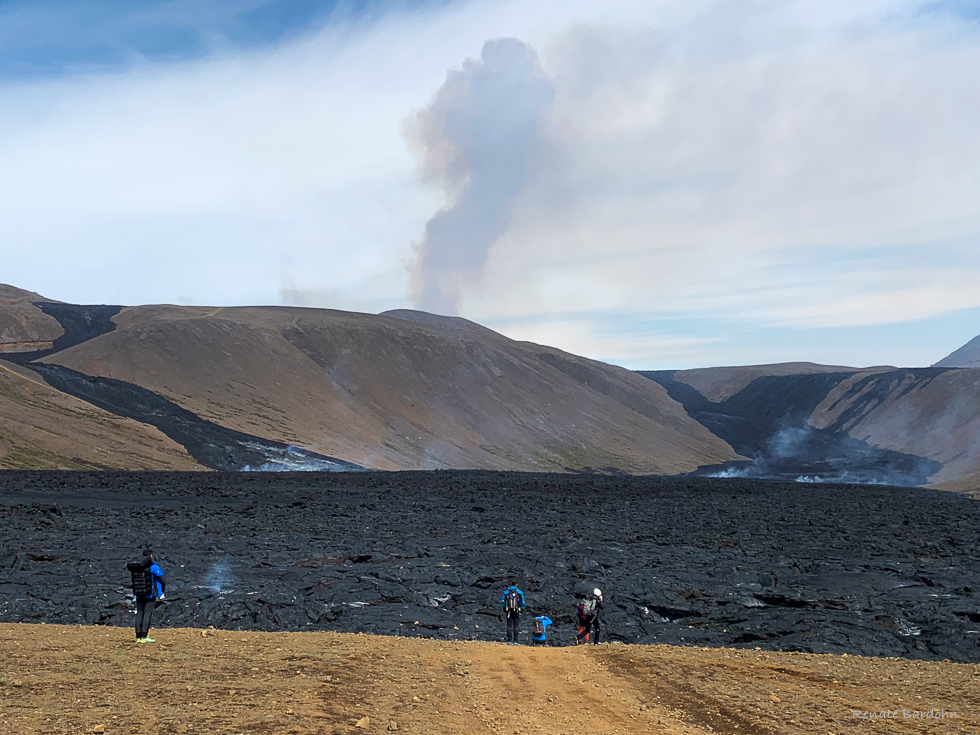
(66, 680)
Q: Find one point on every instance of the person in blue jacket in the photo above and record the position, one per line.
(539, 633)
(149, 587)
(512, 603)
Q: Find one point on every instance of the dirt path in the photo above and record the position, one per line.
(550, 690)
(62, 679)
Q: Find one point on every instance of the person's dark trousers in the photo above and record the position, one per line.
(144, 610)
(513, 626)
(595, 629)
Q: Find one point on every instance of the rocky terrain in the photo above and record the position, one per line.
(880, 571)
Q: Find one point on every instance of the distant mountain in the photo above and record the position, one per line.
(967, 356)
(720, 383)
(890, 425)
(167, 387)
(406, 390)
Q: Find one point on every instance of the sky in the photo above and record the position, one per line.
(657, 184)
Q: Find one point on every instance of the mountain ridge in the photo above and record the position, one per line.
(967, 356)
(405, 390)
(280, 386)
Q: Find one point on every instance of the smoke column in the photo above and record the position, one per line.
(479, 140)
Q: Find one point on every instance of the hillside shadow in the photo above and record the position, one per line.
(768, 421)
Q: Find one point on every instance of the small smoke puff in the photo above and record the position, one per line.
(479, 140)
(219, 576)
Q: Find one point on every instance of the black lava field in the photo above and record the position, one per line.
(871, 570)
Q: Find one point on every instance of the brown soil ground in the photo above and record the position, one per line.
(61, 679)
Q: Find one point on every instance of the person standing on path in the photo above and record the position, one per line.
(512, 602)
(588, 617)
(149, 587)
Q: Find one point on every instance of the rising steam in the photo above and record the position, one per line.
(479, 140)
(218, 578)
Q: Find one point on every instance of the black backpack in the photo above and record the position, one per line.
(512, 603)
(139, 568)
(538, 628)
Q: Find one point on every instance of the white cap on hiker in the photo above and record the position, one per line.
(597, 592)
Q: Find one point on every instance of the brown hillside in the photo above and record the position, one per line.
(937, 416)
(23, 326)
(720, 383)
(42, 428)
(969, 485)
(966, 356)
(923, 412)
(390, 393)
(59, 679)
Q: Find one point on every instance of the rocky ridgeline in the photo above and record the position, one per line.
(825, 568)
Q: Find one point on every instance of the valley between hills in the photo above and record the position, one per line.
(190, 388)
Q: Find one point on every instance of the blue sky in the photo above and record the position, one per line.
(53, 37)
(657, 184)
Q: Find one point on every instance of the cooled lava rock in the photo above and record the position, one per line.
(870, 570)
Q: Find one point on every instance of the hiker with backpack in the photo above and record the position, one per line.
(539, 630)
(512, 602)
(588, 617)
(149, 587)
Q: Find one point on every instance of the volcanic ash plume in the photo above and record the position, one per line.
(479, 140)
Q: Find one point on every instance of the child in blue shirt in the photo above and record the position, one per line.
(539, 633)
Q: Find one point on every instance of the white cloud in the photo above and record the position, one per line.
(741, 182)
(634, 350)
(723, 160)
(241, 176)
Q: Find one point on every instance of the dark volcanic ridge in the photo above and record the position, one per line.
(80, 322)
(768, 421)
(212, 445)
(880, 571)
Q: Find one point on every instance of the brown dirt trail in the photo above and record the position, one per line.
(64, 679)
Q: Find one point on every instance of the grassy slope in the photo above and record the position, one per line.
(23, 326)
